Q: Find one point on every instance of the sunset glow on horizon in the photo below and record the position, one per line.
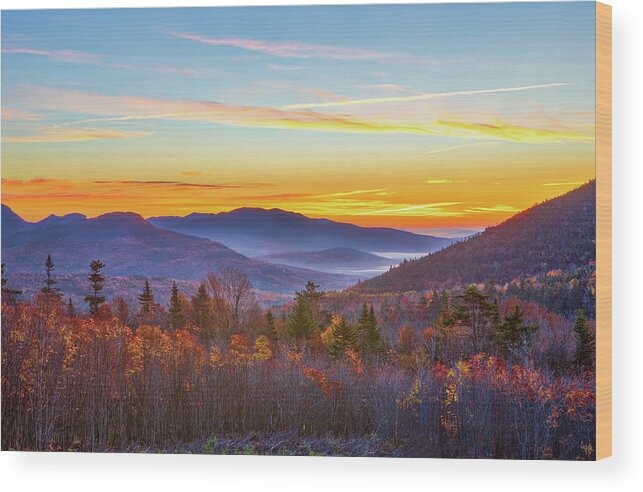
(374, 119)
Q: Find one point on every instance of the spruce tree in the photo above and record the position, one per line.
(368, 338)
(343, 336)
(177, 318)
(96, 278)
(146, 300)
(49, 280)
(201, 313)
(300, 323)
(270, 327)
(585, 343)
(479, 314)
(512, 331)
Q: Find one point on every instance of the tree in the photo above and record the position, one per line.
(177, 317)
(339, 337)
(585, 343)
(270, 328)
(8, 295)
(146, 300)
(50, 281)
(511, 332)
(233, 300)
(300, 322)
(312, 297)
(96, 278)
(201, 311)
(71, 311)
(121, 310)
(479, 314)
(368, 336)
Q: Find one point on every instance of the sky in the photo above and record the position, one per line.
(422, 117)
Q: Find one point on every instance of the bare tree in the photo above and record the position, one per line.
(233, 299)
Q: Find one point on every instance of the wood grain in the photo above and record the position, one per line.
(603, 230)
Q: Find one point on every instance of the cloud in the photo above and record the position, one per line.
(66, 134)
(567, 183)
(437, 181)
(69, 56)
(288, 49)
(421, 97)
(191, 73)
(493, 209)
(179, 184)
(15, 114)
(506, 131)
(134, 108)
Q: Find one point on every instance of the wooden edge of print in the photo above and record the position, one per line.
(603, 231)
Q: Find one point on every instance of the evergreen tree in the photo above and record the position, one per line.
(300, 323)
(71, 311)
(146, 300)
(50, 281)
(177, 317)
(479, 314)
(201, 313)
(270, 327)
(8, 295)
(585, 343)
(368, 338)
(96, 278)
(342, 336)
(311, 296)
(511, 331)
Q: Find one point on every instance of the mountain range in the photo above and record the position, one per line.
(556, 234)
(259, 232)
(129, 245)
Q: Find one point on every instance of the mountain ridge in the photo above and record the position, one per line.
(556, 234)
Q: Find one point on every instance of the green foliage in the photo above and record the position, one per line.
(341, 337)
(146, 299)
(201, 313)
(512, 332)
(301, 325)
(270, 329)
(177, 317)
(96, 279)
(586, 343)
(368, 337)
(49, 280)
(475, 311)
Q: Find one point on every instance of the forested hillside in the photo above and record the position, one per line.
(556, 234)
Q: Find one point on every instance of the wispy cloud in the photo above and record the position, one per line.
(422, 97)
(67, 134)
(9, 114)
(493, 209)
(162, 183)
(69, 56)
(504, 131)
(134, 108)
(566, 183)
(181, 71)
(437, 181)
(289, 49)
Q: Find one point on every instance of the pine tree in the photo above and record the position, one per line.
(270, 327)
(511, 331)
(177, 318)
(342, 337)
(311, 296)
(479, 314)
(201, 313)
(96, 278)
(71, 311)
(368, 338)
(586, 343)
(146, 300)
(8, 295)
(300, 323)
(50, 281)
